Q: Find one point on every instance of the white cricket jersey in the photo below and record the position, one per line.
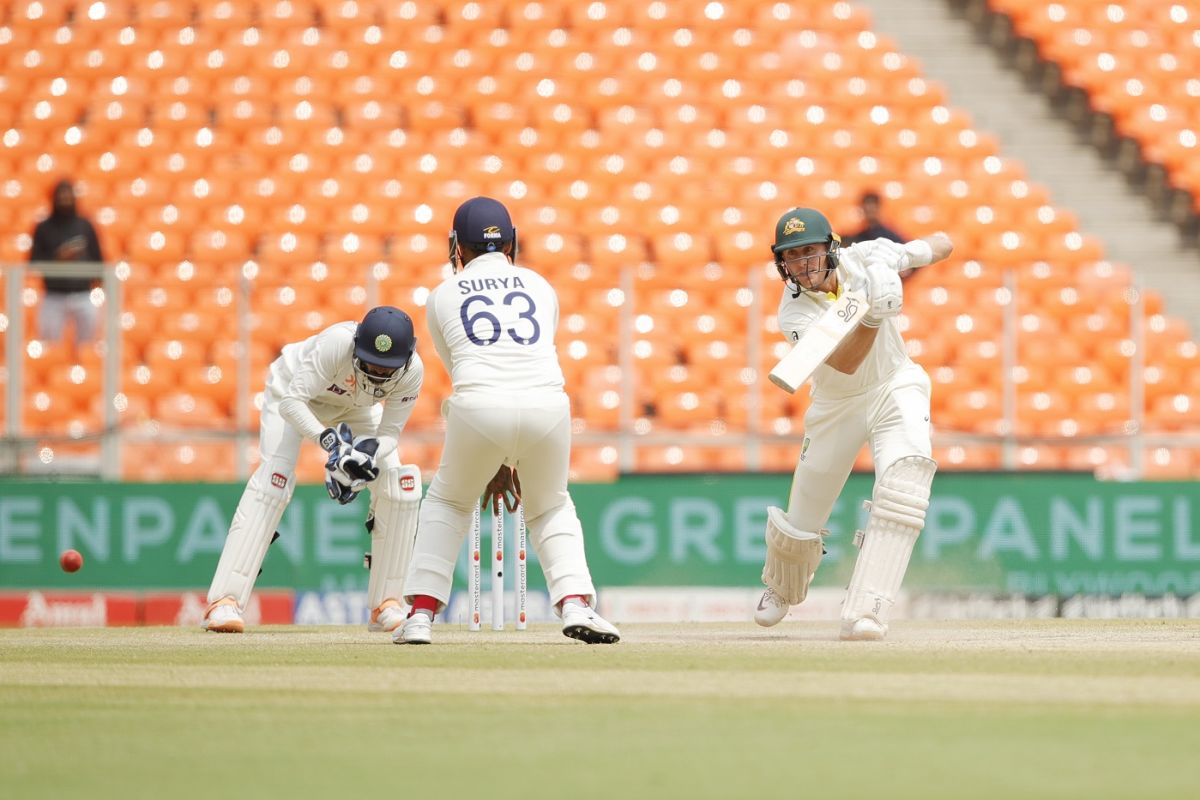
(493, 325)
(316, 382)
(885, 357)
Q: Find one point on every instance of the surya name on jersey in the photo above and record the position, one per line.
(494, 308)
(489, 284)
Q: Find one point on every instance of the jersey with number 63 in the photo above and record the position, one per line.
(493, 325)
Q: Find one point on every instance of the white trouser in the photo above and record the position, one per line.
(895, 420)
(268, 493)
(57, 307)
(531, 432)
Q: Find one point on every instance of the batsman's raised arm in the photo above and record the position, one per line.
(904, 257)
(940, 246)
(925, 251)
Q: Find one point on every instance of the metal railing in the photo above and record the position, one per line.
(17, 441)
(14, 352)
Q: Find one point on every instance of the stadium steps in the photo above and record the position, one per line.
(978, 80)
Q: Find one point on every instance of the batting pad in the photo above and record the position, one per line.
(897, 518)
(254, 522)
(792, 557)
(395, 502)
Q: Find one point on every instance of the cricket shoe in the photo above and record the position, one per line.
(863, 629)
(223, 616)
(417, 629)
(583, 623)
(387, 617)
(771, 609)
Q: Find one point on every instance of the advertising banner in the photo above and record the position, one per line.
(1027, 534)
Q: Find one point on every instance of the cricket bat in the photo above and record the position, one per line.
(821, 339)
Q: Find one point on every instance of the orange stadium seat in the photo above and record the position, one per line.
(1111, 51)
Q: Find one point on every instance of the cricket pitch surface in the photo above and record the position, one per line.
(954, 709)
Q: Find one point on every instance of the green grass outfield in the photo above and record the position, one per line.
(1064, 709)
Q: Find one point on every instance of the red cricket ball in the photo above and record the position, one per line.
(70, 560)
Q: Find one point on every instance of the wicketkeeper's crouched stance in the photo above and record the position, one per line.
(866, 391)
(329, 388)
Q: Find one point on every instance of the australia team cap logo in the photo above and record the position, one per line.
(793, 225)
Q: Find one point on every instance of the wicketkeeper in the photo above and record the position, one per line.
(351, 389)
(866, 391)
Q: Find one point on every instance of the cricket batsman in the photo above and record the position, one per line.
(867, 390)
(351, 389)
(493, 324)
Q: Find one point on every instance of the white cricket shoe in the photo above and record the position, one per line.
(417, 629)
(387, 617)
(583, 623)
(771, 609)
(223, 617)
(863, 629)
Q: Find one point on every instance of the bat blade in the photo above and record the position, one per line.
(821, 339)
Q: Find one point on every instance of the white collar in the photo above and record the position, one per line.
(480, 259)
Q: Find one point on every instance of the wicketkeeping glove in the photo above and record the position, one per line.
(342, 492)
(359, 462)
(336, 441)
(339, 443)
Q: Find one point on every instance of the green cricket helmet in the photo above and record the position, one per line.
(798, 227)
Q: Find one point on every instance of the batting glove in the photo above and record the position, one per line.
(885, 292)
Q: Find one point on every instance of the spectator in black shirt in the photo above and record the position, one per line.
(65, 236)
(873, 228)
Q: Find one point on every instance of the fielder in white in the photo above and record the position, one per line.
(350, 388)
(866, 391)
(493, 324)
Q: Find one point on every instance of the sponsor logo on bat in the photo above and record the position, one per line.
(850, 310)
